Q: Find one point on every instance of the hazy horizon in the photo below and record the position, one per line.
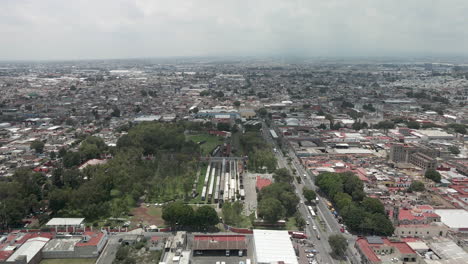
(121, 29)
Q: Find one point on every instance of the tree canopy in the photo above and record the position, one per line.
(417, 186)
(38, 146)
(309, 194)
(433, 175)
(360, 213)
(277, 201)
(338, 244)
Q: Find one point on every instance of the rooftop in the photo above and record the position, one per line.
(29, 249)
(453, 218)
(274, 246)
(65, 221)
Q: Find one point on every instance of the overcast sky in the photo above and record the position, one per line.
(87, 29)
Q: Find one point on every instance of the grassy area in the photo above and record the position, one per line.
(210, 141)
(69, 261)
(201, 181)
(236, 145)
(155, 211)
(245, 223)
(291, 224)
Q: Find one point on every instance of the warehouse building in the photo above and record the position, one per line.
(219, 245)
(273, 246)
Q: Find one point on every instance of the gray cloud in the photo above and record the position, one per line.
(57, 29)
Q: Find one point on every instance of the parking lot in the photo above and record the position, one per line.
(303, 245)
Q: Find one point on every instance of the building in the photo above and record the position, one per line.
(219, 245)
(418, 155)
(19, 247)
(423, 161)
(376, 250)
(423, 214)
(422, 230)
(455, 219)
(273, 246)
(68, 224)
(88, 245)
(445, 251)
(29, 252)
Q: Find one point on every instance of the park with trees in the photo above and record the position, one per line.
(152, 162)
(361, 214)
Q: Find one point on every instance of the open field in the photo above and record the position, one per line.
(210, 141)
(147, 215)
(69, 261)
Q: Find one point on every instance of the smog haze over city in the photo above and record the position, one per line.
(110, 29)
(233, 132)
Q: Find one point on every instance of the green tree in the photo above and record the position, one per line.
(38, 146)
(433, 175)
(454, 150)
(417, 186)
(322, 126)
(271, 210)
(115, 112)
(232, 213)
(122, 253)
(282, 175)
(71, 159)
(237, 103)
(342, 200)
(177, 213)
(309, 194)
(223, 127)
(413, 125)
(385, 125)
(382, 225)
(62, 152)
(338, 244)
(206, 216)
(458, 128)
(289, 200)
(300, 222)
(262, 112)
(373, 205)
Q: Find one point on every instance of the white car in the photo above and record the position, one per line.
(314, 227)
(307, 222)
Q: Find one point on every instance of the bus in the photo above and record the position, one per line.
(299, 235)
(312, 212)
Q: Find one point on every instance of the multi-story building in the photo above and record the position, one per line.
(376, 250)
(418, 155)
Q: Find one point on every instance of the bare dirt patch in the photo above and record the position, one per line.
(147, 216)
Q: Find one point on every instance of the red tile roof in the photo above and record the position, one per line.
(95, 238)
(367, 248)
(262, 183)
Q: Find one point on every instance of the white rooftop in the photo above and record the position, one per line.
(272, 246)
(65, 221)
(29, 249)
(453, 218)
(353, 151)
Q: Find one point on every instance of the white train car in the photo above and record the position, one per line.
(212, 180)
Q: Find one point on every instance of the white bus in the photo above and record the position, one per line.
(312, 212)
